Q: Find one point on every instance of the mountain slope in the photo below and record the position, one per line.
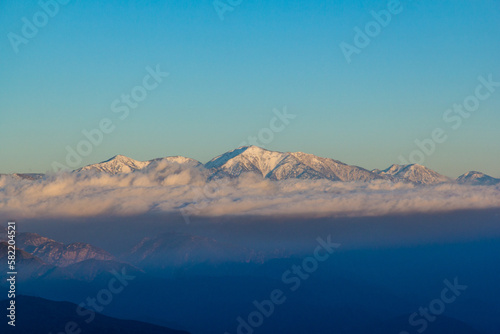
(307, 166)
(28, 266)
(271, 165)
(245, 159)
(116, 165)
(412, 173)
(477, 178)
(30, 241)
(120, 164)
(282, 166)
(56, 253)
(36, 315)
(62, 255)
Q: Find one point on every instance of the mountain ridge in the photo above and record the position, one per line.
(477, 178)
(276, 165)
(414, 173)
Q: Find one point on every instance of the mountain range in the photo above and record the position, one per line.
(44, 258)
(275, 165)
(57, 253)
(41, 257)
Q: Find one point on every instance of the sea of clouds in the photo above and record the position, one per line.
(176, 189)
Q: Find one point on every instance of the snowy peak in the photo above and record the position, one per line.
(121, 164)
(280, 166)
(251, 153)
(308, 166)
(394, 169)
(245, 159)
(414, 173)
(225, 157)
(477, 178)
(118, 164)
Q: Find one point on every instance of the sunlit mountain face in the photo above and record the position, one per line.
(276, 166)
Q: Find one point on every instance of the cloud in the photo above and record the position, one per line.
(171, 188)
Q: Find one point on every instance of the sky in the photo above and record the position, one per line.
(233, 65)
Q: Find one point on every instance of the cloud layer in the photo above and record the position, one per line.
(171, 188)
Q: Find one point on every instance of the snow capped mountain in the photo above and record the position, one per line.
(412, 173)
(245, 159)
(307, 166)
(281, 166)
(271, 165)
(477, 178)
(118, 164)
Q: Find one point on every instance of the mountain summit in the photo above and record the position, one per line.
(412, 173)
(116, 165)
(281, 166)
(477, 178)
(121, 164)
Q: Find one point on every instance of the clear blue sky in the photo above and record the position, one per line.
(227, 76)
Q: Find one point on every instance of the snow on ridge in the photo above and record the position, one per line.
(414, 173)
(477, 178)
(275, 165)
(116, 165)
(285, 165)
(121, 164)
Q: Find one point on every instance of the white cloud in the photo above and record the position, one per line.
(170, 188)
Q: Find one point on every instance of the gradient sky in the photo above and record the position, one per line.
(227, 76)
